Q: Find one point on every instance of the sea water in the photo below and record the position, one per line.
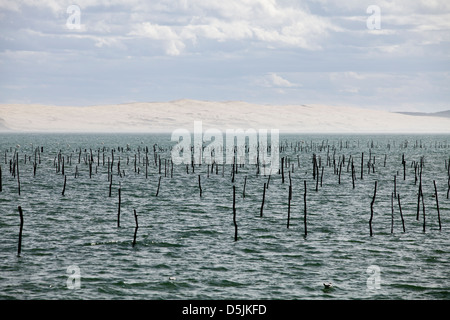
(72, 247)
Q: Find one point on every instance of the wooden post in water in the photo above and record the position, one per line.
(395, 185)
(118, 210)
(234, 214)
(136, 229)
(289, 205)
(371, 208)
(20, 231)
(245, 183)
(200, 186)
(317, 178)
(353, 175)
(159, 183)
(392, 212)
(437, 203)
(264, 195)
(110, 184)
(419, 193)
(404, 166)
(64, 188)
(304, 213)
(423, 208)
(340, 169)
(17, 165)
(1, 188)
(448, 185)
(401, 214)
(321, 177)
(362, 164)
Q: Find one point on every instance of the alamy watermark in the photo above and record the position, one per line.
(257, 151)
(74, 278)
(373, 22)
(73, 22)
(374, 280)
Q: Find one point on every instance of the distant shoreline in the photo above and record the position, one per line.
(153, 117)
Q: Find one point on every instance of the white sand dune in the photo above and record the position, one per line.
(168, 116)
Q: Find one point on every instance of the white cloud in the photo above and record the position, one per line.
(278, 81)
(264, 22)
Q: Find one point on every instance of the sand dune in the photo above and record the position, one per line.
(168, 116)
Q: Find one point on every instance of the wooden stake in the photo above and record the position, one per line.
(64, 188)
(304, 215)
(245, 183)
(418, 199)
(110, 184)
(362, 164)
(423, 208)
(118, 210)
(159, 183)
(234, 215)
(371, 208)
(17, 165)
(20, 231)
(289, 205)
(264, 195)
(392, 212)
(199, 186)
(321, 177)
(404, 166)
(401, 214)
(137, 226)
(448, 185)
(395, 185)
(437, 204)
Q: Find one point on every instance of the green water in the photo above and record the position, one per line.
(185, 246)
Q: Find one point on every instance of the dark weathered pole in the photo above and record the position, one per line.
(423, 208)
(419, 193)
(353, 175)
(110, 184)
(20, 231)
(401, 214)
(234, 214)
(317, 178)
(392, 212)
(245, 183)
(289, 205)
(362, 164)
(159, 183)
(395, 185)
(404, 166)
(118, 210)
(136, 229)
(437, 203)
(262, 204)
(448, 185)
(17, 165)
(321, 177)
(304, 214)
(371, 208)
(64, 188)
(200, 186)
(1, 188)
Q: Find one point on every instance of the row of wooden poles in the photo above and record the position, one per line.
(59, 164)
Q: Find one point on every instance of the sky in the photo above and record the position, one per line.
(385, 55)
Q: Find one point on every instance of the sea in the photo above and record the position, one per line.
(197, 231)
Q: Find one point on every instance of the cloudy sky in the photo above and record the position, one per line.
(260, 51)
